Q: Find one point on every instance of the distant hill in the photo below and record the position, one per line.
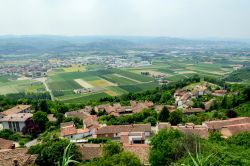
(64, 44)
(239, 75)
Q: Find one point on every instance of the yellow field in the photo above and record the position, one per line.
(75, 68)
(83, 83)
(111, 93)
(101, 83)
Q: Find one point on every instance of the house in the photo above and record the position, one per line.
(79, 113)
(162, 125)
(218, 124)
(140, 106)
(90, 151)
(17, 109)
(189, 111)
(115, 130)
(16, 157)
(139, 150)
(21, 122)
(132, 137)
(6, 144)
(90, 122)
(190, 128)
(68, 130)
(230, 130)
(219, 92)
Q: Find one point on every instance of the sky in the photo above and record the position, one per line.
(173, 18)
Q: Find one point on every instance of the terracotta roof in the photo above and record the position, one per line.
(140, 106)
(220, 91)
(82, 131)
(66, 131)
(15, 110)
(67, 124)
(124, 128)
(90, 120)
(91, 151)
(6, 144)
(79, 113)
(218, 124)
(140, 150)
(7, 157)
(197, 130)
(193, 110)
(16, 117)
(235, 129)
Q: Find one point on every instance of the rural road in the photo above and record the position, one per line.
(43, 80)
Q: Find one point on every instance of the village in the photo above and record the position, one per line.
(134, 137)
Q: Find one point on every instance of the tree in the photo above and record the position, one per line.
(41, 119)
(164, 114)
(175, 117)
(165, 97)
(52, 152)
(231, 113)
(44, 106)
(152, 120)
(111, 148)
(164, 147)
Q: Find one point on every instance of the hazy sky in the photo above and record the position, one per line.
(175, 18)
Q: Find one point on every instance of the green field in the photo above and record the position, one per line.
(16, 86)
(105, 82)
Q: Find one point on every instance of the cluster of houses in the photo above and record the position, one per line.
(133, 137)
(184, 97)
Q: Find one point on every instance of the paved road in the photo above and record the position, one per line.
(43, 80)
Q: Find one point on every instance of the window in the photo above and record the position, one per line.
(10, 125)
(17, 126)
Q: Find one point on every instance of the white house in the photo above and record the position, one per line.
(68, 130)
(16, 122)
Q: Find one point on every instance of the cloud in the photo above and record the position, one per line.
(181, 18)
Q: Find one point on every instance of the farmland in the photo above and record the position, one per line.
(103, 83)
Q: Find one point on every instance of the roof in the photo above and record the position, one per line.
(51, 118)
(7, 157)
(69, 130)
(220, 91)
(124, 128)
(91, 151)
(140, 106)
(193, 110)
(16, 109)
(82, 131)
(140, 150)
(78, 113)
(90, 120)
(200, 131)
(238, 128)
(218, 124)
(6, 144)
(67, 124)
(22, 117)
